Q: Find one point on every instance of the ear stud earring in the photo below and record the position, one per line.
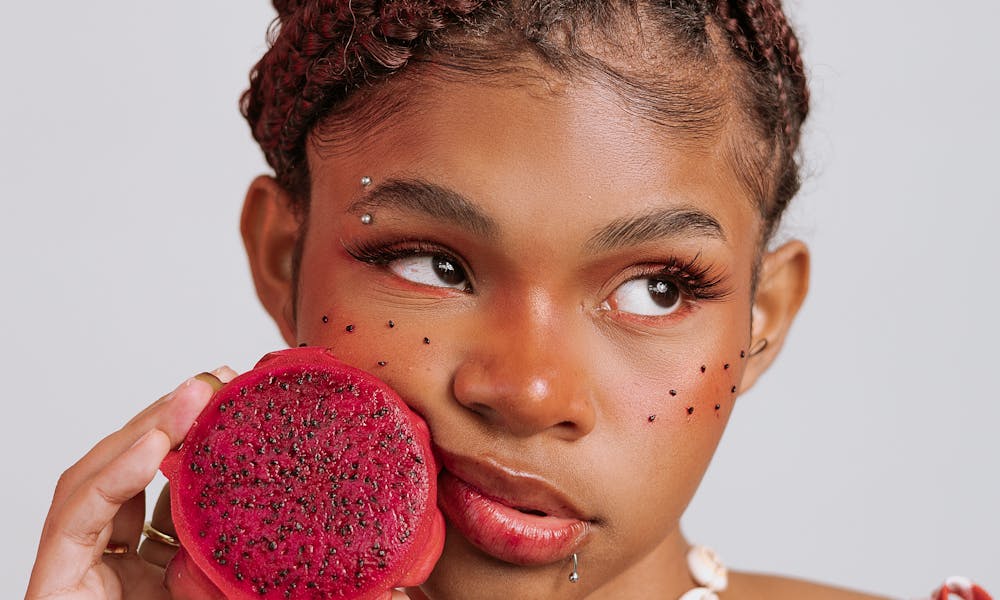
(575, 575)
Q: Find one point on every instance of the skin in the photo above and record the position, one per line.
(538, 367)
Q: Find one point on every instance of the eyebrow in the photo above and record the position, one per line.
(681, 222)
(431, 200)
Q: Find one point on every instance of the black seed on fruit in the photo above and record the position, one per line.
(690, 410)
(272, 545)
(349, 328)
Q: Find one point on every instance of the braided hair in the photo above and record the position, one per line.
(324, 53)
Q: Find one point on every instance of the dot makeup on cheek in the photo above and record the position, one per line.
(326, 319)
(690, 410)
(702, 368)
(652, 418)
(725, 366)
(733, 389)
(427, 340)
(718, 406)
(673, 392)
(391, 323)
(743, 353)
(349, 328)
(382, 363)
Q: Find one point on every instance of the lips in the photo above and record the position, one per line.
(513, 515)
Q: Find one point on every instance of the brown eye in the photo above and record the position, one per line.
(448, 270)
(647, 296)
(664, 293)
(436, 270)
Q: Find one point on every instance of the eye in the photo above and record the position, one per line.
(437, 270)
(647, 296)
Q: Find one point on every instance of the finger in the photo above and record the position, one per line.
(153, 550)
(74, 536)
(173, 415)
(126, 527)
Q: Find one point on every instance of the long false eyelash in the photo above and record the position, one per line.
(694, 278)
(382, 253)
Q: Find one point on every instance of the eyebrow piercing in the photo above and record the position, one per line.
(575, 575)
(367, 218)
(366, 181)
(758, 347)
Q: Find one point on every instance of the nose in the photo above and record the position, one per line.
(526, 379)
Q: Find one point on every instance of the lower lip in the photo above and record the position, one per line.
(505, 532)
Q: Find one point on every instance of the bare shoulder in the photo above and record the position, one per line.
(750, 586)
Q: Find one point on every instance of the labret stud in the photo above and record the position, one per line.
(575, 575)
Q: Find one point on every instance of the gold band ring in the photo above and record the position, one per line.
(116, 549)
(158, 536)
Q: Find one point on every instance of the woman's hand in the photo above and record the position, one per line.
(99, 504)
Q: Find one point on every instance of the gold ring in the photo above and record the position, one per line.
(116, 549)
(158, 536)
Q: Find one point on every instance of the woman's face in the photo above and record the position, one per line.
(562, 291)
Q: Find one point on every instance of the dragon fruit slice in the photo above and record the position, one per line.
(307, 478)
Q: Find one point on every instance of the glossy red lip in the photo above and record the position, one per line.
(515, 516)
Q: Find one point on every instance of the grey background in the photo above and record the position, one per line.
(867, 456)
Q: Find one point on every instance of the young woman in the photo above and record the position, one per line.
(573, 202)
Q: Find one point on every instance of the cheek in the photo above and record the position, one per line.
(405, 346)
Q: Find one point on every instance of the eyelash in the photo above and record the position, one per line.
(693, 277)
(382, 253)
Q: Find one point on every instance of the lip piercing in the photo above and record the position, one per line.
(367, 218)
(366, 181)
(575, 575)
(758, 347)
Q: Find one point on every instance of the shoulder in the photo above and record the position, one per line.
(749, 586)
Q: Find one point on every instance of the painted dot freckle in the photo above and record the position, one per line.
(382, 363)
(703, 368)
(743, 353)
(673, 392)
(427, 340)
(725, 366)
(349, 328)
(326, 319)
(690, 410)
(652, 418)
(718, 406)
(733, 389)
(391, 323)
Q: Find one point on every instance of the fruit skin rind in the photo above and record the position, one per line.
(425, 541)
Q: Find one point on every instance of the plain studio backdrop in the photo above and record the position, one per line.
(867, 456)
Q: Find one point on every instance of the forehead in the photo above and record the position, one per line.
(535, 151)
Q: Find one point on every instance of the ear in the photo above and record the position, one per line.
(781, 289)
(270, 229)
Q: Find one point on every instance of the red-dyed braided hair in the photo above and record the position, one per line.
(323, 51)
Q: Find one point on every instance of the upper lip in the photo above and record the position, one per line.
(511, 485)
